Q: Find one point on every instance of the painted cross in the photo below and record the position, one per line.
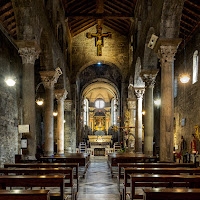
(99, 39)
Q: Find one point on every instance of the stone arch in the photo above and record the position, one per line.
(170, 18)
(138, 82)
(46, 56)
(150, 59)
(119, 67)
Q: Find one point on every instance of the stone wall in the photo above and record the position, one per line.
(115, 50)
(9, 101)
(187, 101)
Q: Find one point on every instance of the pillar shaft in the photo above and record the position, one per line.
(139, 94)
(29, 55)
(60, 96)
(167, 50)
(149, 78)
(68, 127)
(49, 78)
(131, 137)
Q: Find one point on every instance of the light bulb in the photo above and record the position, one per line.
(55, 114)
(143, 112)
(184, 78)
(157, 102)
(99, 63)
(10, 81)
(39, 101)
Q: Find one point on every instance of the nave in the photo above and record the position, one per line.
(98, 183)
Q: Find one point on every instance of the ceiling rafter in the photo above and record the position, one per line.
(114, 27)
(118, 8)
(123, 5)
(192, 12)
(84, 28)
(83, 24)
(191, 19)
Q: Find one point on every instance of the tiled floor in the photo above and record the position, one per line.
(98, 183)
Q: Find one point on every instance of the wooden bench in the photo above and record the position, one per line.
(34, 181)
(175, 171)
(172, 194)
(148, 165)
(115, 158)
(152, 180)
(48, 165)
(82, 158)
(25, 194)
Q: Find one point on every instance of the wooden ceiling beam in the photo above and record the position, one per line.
(125, 6)
(77, 23)
(7, 21)
(111, 9)
(7, 5)
(76, 5)
(184, 22)
(115, 28)
(83, 25)
(9, 12)
(191, 19)
(10, 26)
(185, 29)
(82, 8)
(84, 28)
(192, 12)
(117, 24)
(100, 16)
(131, 4)
(192, 4)
(118, 8)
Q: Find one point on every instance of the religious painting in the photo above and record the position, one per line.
(99, 123)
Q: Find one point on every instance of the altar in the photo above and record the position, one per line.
(100, 144)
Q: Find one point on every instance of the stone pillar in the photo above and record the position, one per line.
(29, 51)
(68, 126)
(61, 95)
(49, 78)
(131, 138)
(149, 78)
(166, 50)
(138, 128)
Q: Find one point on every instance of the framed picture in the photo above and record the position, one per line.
(24, 143)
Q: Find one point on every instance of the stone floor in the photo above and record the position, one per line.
(98, 183)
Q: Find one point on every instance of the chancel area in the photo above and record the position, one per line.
(99, 99)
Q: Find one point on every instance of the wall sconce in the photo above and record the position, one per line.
(184, 78)
(10, 81)
(143, 112)
(157, 102)
(55, 113)
(39, 100)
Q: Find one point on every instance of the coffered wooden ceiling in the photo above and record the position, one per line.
(83, 14)
(190, 19)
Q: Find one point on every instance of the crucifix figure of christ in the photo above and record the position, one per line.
(99, 38)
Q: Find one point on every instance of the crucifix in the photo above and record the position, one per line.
(99, 39)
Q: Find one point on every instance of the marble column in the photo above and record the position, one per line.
(68, 126)
(167, 49)
(49, 78)
(60, 95)
(29, 51)
(138, 128)
(149, 79)
(131, 137)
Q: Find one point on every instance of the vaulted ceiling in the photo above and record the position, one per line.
(83, 14)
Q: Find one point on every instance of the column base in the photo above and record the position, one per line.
(48, 153)
(148, 153)
(68, 150)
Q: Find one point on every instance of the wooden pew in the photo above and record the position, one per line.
(82, 158)
(172, 194)
(48, 165)
(34, 181)
(24, 195)
(115, 158)
(148, 165)
(68, 172)
(149, 180)
(170, 171)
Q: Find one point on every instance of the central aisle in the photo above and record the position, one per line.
(98, 183)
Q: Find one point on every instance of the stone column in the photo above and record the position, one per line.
(149, 78)
(131, 138)
(61, 95)
(29, 51)
(166, 50)
(138, 128)
(49, 78)
(68, 126)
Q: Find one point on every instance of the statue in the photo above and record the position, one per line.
(194, 144)
(183, 149)
(99, 39)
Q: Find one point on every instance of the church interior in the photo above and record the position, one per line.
(98, 95)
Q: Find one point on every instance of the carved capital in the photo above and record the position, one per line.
(28, 50)
(68, 105)
(61, 94)
(149, 77)
(131, 103)
(139, 92)
(49, 78)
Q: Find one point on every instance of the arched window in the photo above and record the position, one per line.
(99, 103)
(195, 67)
